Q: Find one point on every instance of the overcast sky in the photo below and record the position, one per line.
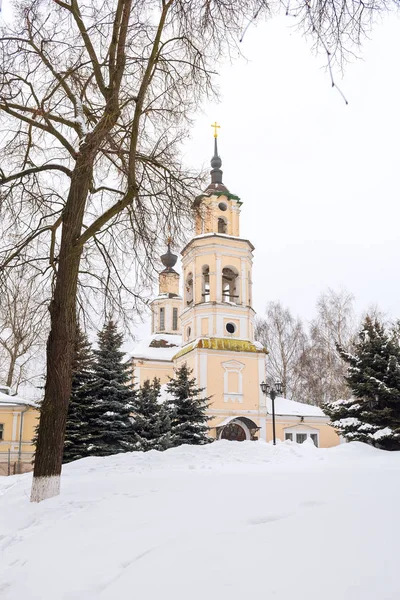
(319, 180)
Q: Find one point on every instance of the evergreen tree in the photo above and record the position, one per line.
(112, 397)
(77, 431)
(372, 414)
(187, 409)
(151, 422)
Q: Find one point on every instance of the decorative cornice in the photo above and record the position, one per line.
(227, 194)
(224, 344)
(211, 237)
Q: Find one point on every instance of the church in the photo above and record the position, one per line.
(207, 321)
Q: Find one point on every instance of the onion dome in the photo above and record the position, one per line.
(169, 259)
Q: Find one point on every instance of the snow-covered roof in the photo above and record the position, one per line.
(160, 346)
(8, 400)
(283, 406)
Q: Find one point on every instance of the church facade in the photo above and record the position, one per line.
(207, 321)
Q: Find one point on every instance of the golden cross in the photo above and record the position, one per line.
(216, 126)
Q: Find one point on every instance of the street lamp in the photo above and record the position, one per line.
(272, 391)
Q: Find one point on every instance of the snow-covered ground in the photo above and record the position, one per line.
(230, 520)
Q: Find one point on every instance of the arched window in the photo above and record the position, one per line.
(205, 285)
(189, 288)
(234, 432)
(174, 319)
(222, 225)
(230, 285)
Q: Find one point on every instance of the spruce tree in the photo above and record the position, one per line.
(77, 431)
(187, 409)
(372, 414)
(151, 422)
(112, 397)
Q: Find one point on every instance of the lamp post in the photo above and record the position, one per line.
(272, 391)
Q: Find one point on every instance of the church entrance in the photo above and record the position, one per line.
(233, 432)
(237, 429)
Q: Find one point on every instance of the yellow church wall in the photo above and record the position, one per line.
(192, 363)
(15, 456)
(8, 419)
(228, 377)
(327, 435)
(31, 420)
(220, 382)
(169, 283)
(218, 315)
(147, 369)
(206, 218)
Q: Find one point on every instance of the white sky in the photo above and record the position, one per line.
(318, 179)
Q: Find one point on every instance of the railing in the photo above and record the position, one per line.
(15, 463)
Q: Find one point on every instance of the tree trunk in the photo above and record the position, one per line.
(60, 344)
(11, 369)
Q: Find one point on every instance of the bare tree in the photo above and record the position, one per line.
(23, 327)
(322, 369)
(95, 100)
(284, 338)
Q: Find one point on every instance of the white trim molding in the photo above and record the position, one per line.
(301, 430)
(233, 366)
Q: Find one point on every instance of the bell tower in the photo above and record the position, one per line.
(217, 317)
(166, 307)
(217, 266)
(214, 316)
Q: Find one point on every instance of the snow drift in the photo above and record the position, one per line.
(228, 520)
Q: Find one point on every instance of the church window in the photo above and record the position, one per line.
(188, 332)
(222, 225)
(174, 319)
(1, 431)
(300, 435)
(233, 382)
(162, 319)
(230, 285)
(189, 289)
(222, 206)
(230, 327)
(206, 283)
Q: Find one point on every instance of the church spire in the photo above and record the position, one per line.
(216, 164)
